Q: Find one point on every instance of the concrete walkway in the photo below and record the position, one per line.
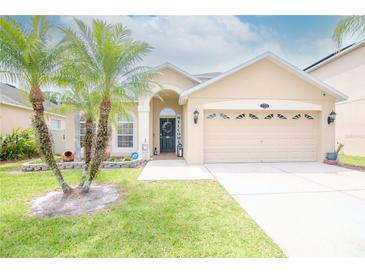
(308, 209)
(173, 170)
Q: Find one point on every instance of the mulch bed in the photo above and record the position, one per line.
(335, 163)
(56, 203)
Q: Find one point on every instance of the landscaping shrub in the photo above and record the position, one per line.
(17, 145)
(127, 158)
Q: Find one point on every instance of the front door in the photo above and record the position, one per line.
(167, 134)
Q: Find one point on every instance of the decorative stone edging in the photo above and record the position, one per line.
(27, 167)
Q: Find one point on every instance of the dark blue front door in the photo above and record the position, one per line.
(167, 135)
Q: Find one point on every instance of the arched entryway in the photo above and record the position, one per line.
(165, 121)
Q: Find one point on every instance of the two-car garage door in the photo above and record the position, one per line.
(260, 136)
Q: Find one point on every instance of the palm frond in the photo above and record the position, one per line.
(26, 54)
(353, 26)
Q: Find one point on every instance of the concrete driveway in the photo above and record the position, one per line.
(173, 170)
(308, 209)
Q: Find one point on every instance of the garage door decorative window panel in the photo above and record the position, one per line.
(240, 117)
(253, 116)
(224, 116)
(307, 116)
(297, 117)
(281, 116)
(211, 116)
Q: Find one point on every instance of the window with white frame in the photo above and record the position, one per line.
(82, 131)
(125, 131)
(55, 124)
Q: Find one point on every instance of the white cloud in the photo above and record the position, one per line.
(196, 43)
(311, 51)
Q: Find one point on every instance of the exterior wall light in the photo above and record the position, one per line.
(332, 117)
(196, 116)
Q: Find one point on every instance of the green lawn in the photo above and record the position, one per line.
(154, 219)
(352, 160)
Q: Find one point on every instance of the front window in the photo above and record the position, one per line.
(82, 131)
(125, 132)
(55, 124)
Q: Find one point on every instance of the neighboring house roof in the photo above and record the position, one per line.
(177, 69)
(10, 95)
(277, 60)
(334, 55)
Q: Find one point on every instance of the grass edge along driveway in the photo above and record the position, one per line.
(153, 219)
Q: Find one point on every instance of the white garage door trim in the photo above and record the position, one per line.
(260, 136)
(254, 104)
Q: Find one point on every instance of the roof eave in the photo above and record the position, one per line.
(338, 55)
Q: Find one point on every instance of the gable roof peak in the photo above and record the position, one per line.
(278, 61)
(177, 69)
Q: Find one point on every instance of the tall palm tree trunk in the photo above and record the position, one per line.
(88, 142)
(43, 136)
(100, 144)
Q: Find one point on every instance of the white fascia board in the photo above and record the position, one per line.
(279, 61)
(177, 69)
(338, 55)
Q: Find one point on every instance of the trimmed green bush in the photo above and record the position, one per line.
(18, 145)
(127, 158)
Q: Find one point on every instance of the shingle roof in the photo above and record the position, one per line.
(9, 94)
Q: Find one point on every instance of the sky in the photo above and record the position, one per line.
(200, 44)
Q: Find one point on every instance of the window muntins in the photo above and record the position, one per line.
(125, 132)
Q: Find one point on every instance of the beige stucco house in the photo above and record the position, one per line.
(345, 71)
(16, 112)
(265, 110)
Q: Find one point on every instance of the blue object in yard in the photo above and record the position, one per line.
(331, 156)
(134, 156)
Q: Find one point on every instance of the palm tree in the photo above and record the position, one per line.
(351, 25)
(108, 58)
(81, 98)
(27, 56)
